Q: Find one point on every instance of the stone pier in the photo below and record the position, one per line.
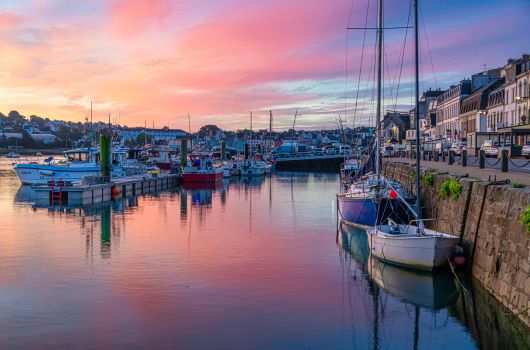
(487, 217)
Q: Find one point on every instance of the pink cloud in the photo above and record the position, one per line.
(130, 17)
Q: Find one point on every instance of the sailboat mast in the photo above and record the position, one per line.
(379, 78)
(416, 109)
(270, 130)
(250, 146)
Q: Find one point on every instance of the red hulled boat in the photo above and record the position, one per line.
(201, 168)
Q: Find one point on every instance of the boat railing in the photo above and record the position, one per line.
(418, 221)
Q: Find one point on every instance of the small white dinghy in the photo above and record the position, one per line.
(411, 246)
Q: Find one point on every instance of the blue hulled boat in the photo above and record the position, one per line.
(369, 201)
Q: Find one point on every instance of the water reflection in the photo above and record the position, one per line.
(432, 301)
(250, 264)
(424, 289)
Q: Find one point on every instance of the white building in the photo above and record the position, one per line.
(495, 110)
(522, 97)
(448, 111)
(509, 73)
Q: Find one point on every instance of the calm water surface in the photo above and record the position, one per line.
(251, 265)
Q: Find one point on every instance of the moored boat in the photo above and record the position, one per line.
(76, 164)
(371, 200)
(201, 168)
(410, 246)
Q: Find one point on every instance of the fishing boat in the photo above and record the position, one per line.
(411, 245)
(201, 168)
(12, 155)
(162, 158)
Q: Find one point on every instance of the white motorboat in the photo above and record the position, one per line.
(411, 245)
(76, 164)
(251, 168)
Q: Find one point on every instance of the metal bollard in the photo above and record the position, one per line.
(424, 155)
(443, 156)
(436, 156)
(504, 161)
(481, 159)
(451, 157)
(430, 156)
(464, 158)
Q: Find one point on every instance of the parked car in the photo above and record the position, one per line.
(387, 151)
(525, 152)
(458, 147)
(490, 148)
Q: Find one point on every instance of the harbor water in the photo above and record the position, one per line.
(250, 264)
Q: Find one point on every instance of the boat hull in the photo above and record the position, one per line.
(363, 211)
(40, 174)
(423, 252)
(205, 177)
(165, 165)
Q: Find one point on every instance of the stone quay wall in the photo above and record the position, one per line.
(487, 218)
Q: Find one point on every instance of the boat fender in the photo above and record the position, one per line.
(459, 258)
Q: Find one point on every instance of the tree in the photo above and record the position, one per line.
(209, 129)
(15, 118)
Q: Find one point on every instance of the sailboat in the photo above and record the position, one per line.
(411, 245)
(369, 198)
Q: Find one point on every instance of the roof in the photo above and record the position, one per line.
(479, 99)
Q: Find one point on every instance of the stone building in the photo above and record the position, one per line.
(448, 110)
(395, 125)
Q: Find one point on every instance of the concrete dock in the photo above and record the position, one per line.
(93, 194)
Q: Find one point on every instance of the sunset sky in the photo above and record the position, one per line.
(158, 60)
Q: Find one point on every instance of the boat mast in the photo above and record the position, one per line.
(292, 134)
(379, 78)
(90, 135)
(416, 109)
(250, 146)
(270, 130)
(189, 131)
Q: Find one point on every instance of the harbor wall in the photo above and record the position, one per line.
(487, 217)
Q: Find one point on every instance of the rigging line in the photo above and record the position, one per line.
(402, 57)
(360, 65)
(397, 76)
(346, 73)
(373, 28)
(372, 72)
(366, 90)
(428, 48)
